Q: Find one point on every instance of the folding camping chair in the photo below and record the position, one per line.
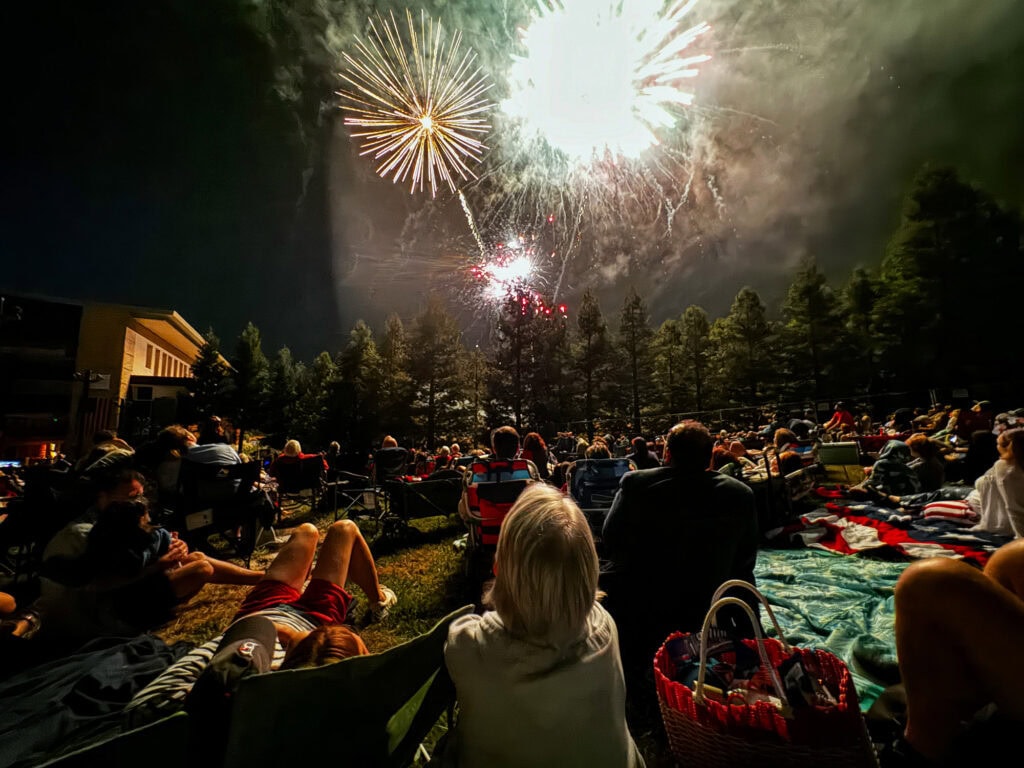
(494, 486)
(836, 457)
(368, 711)
(220, 498)
(593, 486)
(305, 478)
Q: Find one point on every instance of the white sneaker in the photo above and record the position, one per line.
(382, 610)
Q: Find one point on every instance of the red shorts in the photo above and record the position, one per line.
(323, 600)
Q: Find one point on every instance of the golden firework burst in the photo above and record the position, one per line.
(418, 108)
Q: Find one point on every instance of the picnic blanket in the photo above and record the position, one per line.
(836, 603)
(850, 528)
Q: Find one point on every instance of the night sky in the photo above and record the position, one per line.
(191, 156)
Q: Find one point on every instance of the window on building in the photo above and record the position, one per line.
(149, 356)
(143, 393)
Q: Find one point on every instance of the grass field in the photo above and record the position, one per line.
(426, 572)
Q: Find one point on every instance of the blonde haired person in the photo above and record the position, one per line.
(539, 680)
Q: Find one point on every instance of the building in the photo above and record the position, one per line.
(68, 369)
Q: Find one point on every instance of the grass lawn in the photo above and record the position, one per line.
(426, 572)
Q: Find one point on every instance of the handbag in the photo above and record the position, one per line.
(707, 729)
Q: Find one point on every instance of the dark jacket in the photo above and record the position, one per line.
(672, 539)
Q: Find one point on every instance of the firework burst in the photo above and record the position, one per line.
(599, 77)
(419, 110)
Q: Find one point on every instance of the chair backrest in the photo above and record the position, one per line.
(493, 489)
(163, 744)
(595, 481)
(204, 485)
(839, 454)
(306, 474)
(390, 464)
(367, 710)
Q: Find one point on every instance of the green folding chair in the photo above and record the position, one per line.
(367, 710)
(163, 744)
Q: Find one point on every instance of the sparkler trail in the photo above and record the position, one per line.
(472, 225)
(420, 109)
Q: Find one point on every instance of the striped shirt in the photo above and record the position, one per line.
(166, 694)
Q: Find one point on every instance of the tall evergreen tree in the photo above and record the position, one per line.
(697, 350)
(953, 247)
(395, 382)
(315, 387)
(436, 347)
(359, 370)
(250, 378)
(812, 332)
(210, 378)
(744, 342)
(634, 339)
(668, 365)
(281, 395)
(857, 304)
(591, 355)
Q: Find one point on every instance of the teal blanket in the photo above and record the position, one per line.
(840, 603)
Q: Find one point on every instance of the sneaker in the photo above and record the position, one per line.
(382, 610)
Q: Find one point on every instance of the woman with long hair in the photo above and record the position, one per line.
(536, 450)
(539, 679)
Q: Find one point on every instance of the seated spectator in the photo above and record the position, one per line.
(536, 450)
(308, 621)
(652, 591)
(212, 431)
(891, 473)
(292, 454)
(641, 455)
(958, 633)
(504, 447)
(998, 495)
(544, 663)
(103, 442)
(784, 440)
(842, 421)
(724, 462)
(790, 462)
(161, 459)
(560, 475)
(927, 461)
(598, 450)
(119, 576)
(443, 458)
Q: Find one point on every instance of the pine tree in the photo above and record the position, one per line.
(697, 351)
(396, 390)
(745, 342)
(591, 354)
(812, 332)
(435, 351)
(210, 380)
(668, 365)
(634, 339)
(359, 369)
(281, 395)
(250, 379)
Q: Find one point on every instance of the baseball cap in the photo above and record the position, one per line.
(247, 648)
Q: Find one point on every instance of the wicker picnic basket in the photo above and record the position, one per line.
(704, 732)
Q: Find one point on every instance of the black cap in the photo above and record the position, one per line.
(247, 648)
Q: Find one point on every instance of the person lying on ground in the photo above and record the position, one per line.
(309, 618)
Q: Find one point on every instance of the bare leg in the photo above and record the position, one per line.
(291, 564)
(345, 556)
(225, 572)
(194, 574)
(957, 638)
(1006, 567)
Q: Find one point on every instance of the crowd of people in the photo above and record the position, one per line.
(573, 611)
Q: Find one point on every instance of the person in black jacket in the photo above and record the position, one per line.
(673, 535)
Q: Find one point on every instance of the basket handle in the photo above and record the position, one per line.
(698, 692)
(727, 585)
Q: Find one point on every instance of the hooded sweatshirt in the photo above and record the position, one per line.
(892, 472)
(524, 704)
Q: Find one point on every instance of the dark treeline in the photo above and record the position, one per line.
(939, 311)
